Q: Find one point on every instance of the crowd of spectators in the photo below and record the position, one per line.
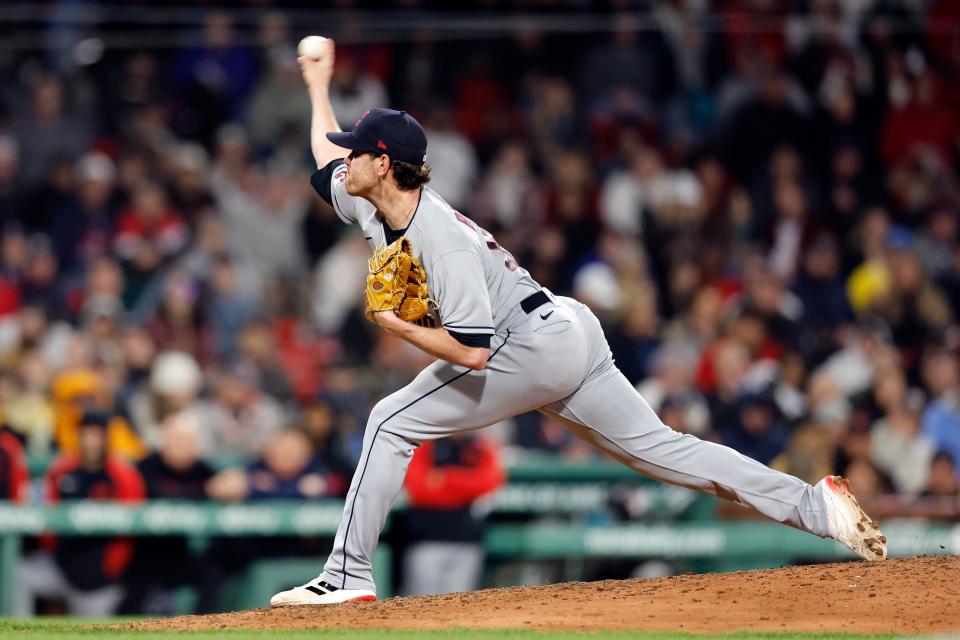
(759, 201)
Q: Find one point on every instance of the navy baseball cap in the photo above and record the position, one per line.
(394, 133)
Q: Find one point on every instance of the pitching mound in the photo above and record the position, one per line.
(915, 595)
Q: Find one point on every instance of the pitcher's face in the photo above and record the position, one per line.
(361, 172)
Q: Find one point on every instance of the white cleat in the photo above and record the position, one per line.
(847, 522)
(320, 592)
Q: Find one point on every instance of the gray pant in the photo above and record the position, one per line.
(560, 365)
(39, 576)
(432, 568)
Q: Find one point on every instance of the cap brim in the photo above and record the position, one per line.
(346, 140)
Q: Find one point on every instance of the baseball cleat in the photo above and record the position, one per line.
(847, 522)
(320, 592)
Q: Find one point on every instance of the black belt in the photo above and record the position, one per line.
(534, 301)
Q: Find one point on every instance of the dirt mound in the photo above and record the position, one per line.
(914, 595)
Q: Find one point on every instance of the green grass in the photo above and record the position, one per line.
(77, 629)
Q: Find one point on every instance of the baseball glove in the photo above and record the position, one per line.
(397, 281)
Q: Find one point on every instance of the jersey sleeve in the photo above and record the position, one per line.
(461, 292)
(329, 184)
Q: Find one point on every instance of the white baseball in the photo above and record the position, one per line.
(312, 47)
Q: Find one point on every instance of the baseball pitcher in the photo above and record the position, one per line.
(504, 345)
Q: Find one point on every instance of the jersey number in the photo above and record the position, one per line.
(508, 260)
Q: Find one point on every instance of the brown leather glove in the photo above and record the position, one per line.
(397, 281)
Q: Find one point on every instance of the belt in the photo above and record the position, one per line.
(534, 301)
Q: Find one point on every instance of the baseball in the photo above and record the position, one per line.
(312, 47)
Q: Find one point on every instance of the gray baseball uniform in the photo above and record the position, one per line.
(547, 353)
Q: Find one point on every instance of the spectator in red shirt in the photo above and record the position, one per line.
(149, 232)
(85, 571)
(14, 477)
(924, 124)
(445, 478)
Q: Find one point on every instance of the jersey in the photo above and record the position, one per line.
(476, 282)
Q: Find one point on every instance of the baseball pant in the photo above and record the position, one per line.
(39, 577)
(434, 567)
(555, 360)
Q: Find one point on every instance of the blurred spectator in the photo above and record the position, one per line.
(853, 368)
(819, 287)
(809, 453)
(241, 419)
(257, 351)
(353, 91)
(334, 300)
(765, 122)
(13, 257)
(180, 322)
(866, 479)
(320, 422)
(85, 570)
(279, 107)
(14, 475)
(77, 392)
(211, 246)
(453, 163)
(673, 370)
(788, 392)
(290, 470)
(897, 447)
(755, 430)
(699, 324)
(189, 167)
(744, 358)
(82, 227)
(175, 471)
(921, 124)
(633, 338)
(262, 214)
(228, 307)
(445, 478)
(509, 194)
(915, 307)
(481, 103)
(632, 62)
(869, 282)
(173, 386)
(148, 234)
(40, 285)
(552, 114)
(789, 227)
(596, 286)
(934, 247)
(213, 80)
(674, 198)
(941, 423)
(944, 480)
(287, 470)
(48, 131)
(11, 191)
(27, 409)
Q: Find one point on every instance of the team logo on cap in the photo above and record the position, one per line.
(381, 145)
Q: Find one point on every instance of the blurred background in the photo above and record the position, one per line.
(758, 198)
